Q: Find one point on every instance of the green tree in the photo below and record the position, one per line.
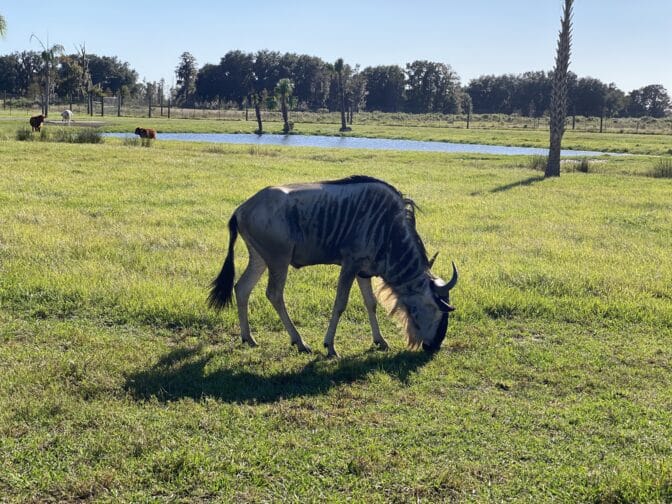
(186, 73)
(384, 88)
(558, 107)
(3, 26)
(49, 55)
(651, 100)
(432, 87)
(284, 91)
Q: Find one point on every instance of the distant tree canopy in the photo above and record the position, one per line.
(20, 72)
(529, 94)
(241, 79)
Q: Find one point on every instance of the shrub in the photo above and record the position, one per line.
(662, 168)
(131, 141)
(88, 135)
(24, 134)
(583, 166)
(64, 135)
(537, 162)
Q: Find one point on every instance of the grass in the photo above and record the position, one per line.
(118, 384)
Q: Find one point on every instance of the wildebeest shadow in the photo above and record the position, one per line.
(181, 374)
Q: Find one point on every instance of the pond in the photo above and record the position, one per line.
(338, 142)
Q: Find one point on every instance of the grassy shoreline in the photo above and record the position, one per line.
(645, 144)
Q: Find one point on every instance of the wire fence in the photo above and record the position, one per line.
(111, 107)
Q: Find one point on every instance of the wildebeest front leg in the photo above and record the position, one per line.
(345, 280)
(370, 303)
(255, 268)
(275, 294)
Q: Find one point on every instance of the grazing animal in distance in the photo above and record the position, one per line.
(66, 116)
(36, 122)
(361, 223)
(146, 133)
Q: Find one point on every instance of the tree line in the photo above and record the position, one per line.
(251, 79)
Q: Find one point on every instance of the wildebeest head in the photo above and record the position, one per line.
(423, 307)
(441, 297)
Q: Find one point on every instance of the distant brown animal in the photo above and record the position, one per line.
(36, 122)
(146, 133)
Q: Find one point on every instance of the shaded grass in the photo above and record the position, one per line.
(119, 384)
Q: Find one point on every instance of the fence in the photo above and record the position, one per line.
(110, 107)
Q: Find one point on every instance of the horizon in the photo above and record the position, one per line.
(381, 33)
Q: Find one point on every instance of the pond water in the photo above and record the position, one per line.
(338, 142)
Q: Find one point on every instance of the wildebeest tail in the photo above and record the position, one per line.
(221, 292)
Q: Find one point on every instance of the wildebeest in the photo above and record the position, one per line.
(146, 133)
(360, 223)
(66, 116)
(36, 122)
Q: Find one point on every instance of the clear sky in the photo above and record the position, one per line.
(628, 42)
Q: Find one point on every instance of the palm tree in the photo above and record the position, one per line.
(258, 97)
(284, 90)
(558, 108)
(338, 67)
(3, 26)
(49, 56)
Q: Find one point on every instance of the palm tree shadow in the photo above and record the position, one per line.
(519, 183)
(181, 374)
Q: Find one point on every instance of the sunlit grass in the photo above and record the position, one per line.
(119, 384)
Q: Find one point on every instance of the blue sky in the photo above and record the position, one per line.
(628, 42)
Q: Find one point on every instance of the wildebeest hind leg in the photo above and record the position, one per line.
(370, 303)
(277, 275)
(255, 268)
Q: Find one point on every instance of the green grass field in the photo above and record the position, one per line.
(118, 384)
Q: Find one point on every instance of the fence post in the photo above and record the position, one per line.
(168, 108)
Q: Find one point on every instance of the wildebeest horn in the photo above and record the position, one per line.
(442, 288)
(431, 261)
(453, 280)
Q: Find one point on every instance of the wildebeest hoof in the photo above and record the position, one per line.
(303, 348)
(250, 342)
(381, 345)
(331, 352)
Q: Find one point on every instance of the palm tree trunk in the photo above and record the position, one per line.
(558, 109)
(344, 127)
(257, 112)
(285, 115)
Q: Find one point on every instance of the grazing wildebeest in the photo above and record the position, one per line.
(66, 116)
(36, 122)
(360, 223)
(146, 133)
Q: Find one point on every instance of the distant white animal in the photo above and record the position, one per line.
(67, 116)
